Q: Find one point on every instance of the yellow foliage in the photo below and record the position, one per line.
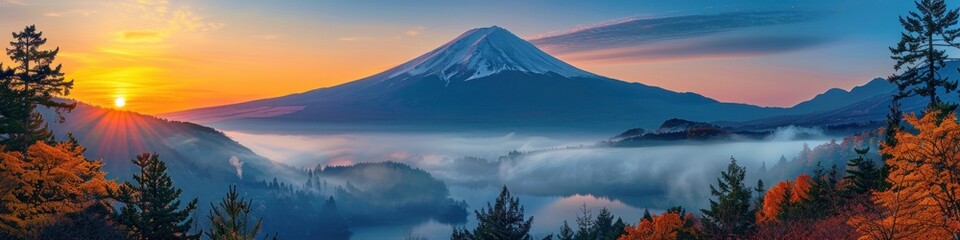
(923, 201)
(666, 226)
(49, 182)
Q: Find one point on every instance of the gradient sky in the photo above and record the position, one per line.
(168, 55)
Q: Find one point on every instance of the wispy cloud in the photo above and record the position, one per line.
(632, 38)
(350, 39)
(702, 48)
(414, 31)
(164, 20)
(142, 36)
(71, 12)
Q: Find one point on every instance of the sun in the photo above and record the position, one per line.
(120, 102)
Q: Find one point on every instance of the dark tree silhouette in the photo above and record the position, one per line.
(151, 206)
(603, 226)
(585, 229)
(33, 82)
(503, 220)
(566, 232)
(94, 223)
(12, 109)
(730, 216)
(231, 219)
(894, 118)
(863, 175)
(921, 52)
(332, 224)
(617, 230)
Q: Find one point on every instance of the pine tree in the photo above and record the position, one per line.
(38, 130)
(566, 232)
(894, 119)
(585, 226)
(331, 223)
(231, 219)
(863, 175)
(34, 83)
(617, 230)
(603, 225)
(12, 110)
(821, 197)
(503, 220)
(920, 54)
(151, 206)
(759, 189)
(731, 214)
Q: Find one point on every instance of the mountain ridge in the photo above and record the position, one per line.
(472, 79)
(835, 97)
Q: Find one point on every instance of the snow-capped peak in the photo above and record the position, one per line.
(483, 52)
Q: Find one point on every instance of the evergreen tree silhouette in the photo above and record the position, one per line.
(151, 206)
(863, 175)
(230, 220)
(921, 52)
(33, 83)
(566, 232)
(332, 224)
(502, 220)
(730, 215)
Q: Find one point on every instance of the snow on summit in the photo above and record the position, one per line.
(483, 52)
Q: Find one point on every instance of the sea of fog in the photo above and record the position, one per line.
(563, 174)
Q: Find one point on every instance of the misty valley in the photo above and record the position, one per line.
(552, 174)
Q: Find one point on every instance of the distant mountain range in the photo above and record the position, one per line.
(866, 105)
(486, 76)
(836, 97)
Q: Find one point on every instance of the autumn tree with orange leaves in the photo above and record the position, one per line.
(670, 225)
(774, 202)
(923, 200)
(785, 198)
(38, 190)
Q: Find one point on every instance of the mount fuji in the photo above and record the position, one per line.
(486, 76)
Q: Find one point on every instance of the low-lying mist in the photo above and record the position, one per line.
(563, 165)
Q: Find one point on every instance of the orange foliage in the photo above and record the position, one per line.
(924, 199)
(801, 188)
(783, 193)
(666, 226)
(774, 200)
(50, 182)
